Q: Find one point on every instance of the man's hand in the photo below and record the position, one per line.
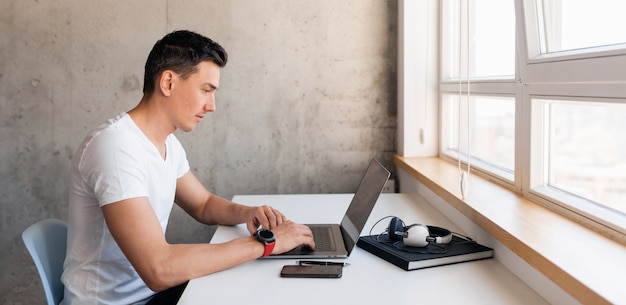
(264, 216)
(290, 235)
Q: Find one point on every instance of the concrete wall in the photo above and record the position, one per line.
(308, 97)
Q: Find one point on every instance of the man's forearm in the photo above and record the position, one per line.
(218, 210)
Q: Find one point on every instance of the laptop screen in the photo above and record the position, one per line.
(363, 202)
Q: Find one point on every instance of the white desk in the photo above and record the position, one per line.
(368, 279)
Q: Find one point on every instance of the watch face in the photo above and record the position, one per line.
(266, 235)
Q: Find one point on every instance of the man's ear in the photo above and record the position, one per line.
(166, 82)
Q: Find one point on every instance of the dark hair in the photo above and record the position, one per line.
(181, 52)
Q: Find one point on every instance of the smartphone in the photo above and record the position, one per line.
(324, 271)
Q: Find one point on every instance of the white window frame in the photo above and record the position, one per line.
(588, 75)
(579, 74)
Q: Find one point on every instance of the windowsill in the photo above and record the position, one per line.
(585, 264)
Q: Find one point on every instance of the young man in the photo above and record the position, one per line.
(129, 171)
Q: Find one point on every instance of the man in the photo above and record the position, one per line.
(129, 171)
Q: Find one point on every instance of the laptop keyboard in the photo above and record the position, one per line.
(323, 239)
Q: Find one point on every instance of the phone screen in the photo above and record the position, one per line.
(324, 271)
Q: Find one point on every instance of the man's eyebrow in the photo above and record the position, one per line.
(214, 87)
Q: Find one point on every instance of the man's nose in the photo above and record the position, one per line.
(210, 105)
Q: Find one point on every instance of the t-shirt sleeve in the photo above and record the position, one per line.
(112, 165)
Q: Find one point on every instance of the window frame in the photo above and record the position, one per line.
(492, 205)
(586, 73)
(590, 73)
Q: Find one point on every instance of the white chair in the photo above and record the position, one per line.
(46, 241)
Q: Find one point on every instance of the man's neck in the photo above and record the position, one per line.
(152, 122)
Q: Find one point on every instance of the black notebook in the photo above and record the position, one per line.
(458, 250)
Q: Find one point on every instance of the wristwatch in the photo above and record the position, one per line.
(267, 238)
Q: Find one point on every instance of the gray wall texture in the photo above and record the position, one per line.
(306, 100)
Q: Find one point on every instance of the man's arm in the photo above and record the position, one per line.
(137, 231)
(209, 208)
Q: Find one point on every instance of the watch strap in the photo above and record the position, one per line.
(267, 241)
(269, 247)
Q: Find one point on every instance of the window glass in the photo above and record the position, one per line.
(491, 39)
(490, 128)
(586, 153)
(576, 24)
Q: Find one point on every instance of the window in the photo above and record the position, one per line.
(585, 153)
(479, 48)
(490, 38)
(491, 126)
(539, 103)
(576, 24)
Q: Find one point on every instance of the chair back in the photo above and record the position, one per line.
(46, 241)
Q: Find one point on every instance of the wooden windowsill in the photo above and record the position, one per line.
(585, 264)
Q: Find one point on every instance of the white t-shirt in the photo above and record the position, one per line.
(116, 161)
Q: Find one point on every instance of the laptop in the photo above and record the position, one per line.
(338, 240)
